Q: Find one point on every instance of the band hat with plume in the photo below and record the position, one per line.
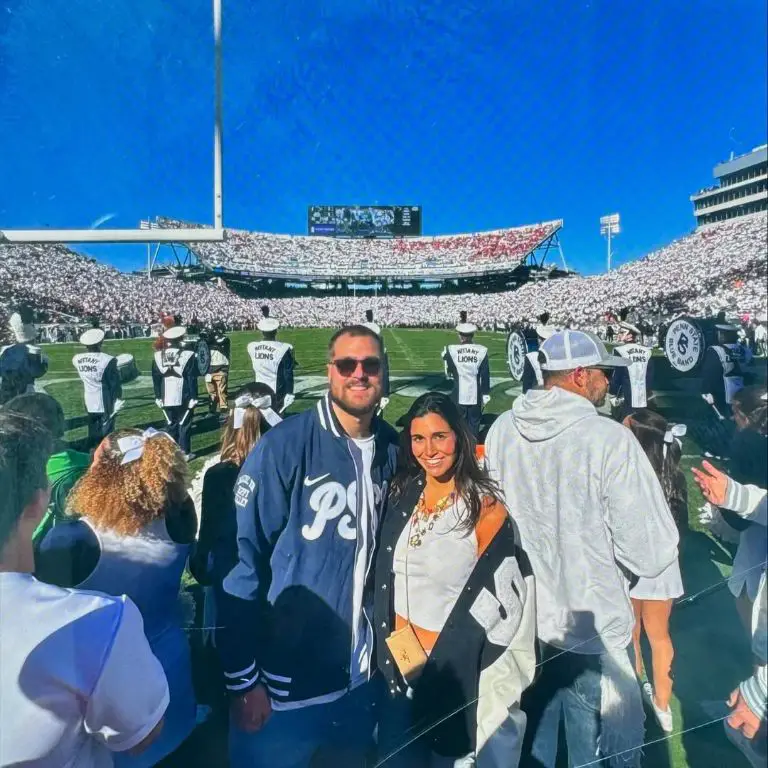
(22, 329)
(175, 333)
(464, 327)
(92, 337)
(629, 327)
(262, 402)
(545, 331)
(132, 446)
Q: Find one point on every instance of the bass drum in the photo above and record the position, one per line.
(126, 367)
(520, 342)
(686, 340)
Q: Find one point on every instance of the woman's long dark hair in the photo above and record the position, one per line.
(649, 428)
(473, 485)
(750, 402)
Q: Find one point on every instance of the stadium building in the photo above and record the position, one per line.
(742, 188)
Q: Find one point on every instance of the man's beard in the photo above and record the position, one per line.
(354, 410)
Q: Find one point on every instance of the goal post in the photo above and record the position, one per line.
(151, 235)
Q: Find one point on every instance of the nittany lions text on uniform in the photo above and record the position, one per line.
(20, 365)
(630, 387)
(101, 389)
(272, 363)
(467, 365)
(297, 604)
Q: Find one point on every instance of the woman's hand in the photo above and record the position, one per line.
(713, 483)
(252, 710)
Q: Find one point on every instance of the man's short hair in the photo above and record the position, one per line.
(43, 408)
(354, 330)
(25, 446)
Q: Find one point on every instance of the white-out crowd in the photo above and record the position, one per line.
(718, 267)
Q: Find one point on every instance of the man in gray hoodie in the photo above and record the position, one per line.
(592, 517)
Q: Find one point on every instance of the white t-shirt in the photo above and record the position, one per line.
(77, 678)
(361, 655)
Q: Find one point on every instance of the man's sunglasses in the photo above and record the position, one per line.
(346, 366)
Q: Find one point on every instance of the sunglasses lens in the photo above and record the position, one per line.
(345, 366)
(371, 366)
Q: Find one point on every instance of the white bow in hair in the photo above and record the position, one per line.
(675, 432)
(262, 403)
(132, 446)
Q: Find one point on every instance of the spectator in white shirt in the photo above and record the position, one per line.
(77, 680)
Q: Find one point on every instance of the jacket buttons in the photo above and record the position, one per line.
(387, 662)
(389, 549)
(383, 586)
(383, 624)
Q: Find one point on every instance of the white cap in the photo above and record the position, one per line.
(373, 327)
(466, 329)
(567, 350)
(92, 337)
(629, 327)
(545, 331)
(176, 332)
(268, 324)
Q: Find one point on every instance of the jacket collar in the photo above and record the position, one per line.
(329, 421)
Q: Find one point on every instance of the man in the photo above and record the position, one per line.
(21, 363)
(273, 362)
(761, 336)
(174, 377)
(376, 328)
(592, 517)
(101, 385)
(630, 387)
(65, 466)
(78, 679)
(298, 639)
(467, 364)
(531, 371)
(217, 378)
(721, 376)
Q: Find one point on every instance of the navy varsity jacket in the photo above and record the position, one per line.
(296, 611)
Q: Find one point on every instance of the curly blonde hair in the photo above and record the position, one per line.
(126, 497)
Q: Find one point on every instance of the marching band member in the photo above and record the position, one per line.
(21, 363)
(376, 328)
(217, 378)
(273, 362)
(467, 364)
(721, 375)
(174, 377)
(531, 369)
(102, 388)
(631, 387)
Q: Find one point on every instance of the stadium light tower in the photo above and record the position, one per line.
(609, 225)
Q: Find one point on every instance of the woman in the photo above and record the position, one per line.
(748, 466)
(652, 598)
(454, 601)
(216, 551)
(133, 537)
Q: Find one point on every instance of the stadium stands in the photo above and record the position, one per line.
(716, 267)
(266, 255)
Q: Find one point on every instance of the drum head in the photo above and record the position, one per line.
(203, 353)
(684, 344)
(517, 348)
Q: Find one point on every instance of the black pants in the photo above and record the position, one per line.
(180, 428)
(472, 415)
(99, 426)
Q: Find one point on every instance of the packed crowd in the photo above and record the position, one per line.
(323, 257)
(338, 635)
(719, 267)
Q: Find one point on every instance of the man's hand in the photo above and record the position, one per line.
(713, 483)
(288, 401)
(708, 399)
(192, 404)
(251, 710)
(742, 718)
(486, 400)
(159, 403)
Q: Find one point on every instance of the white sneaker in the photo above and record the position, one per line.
(664, 716)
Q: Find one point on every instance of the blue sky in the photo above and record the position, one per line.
(488, 113)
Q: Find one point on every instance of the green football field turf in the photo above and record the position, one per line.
(712, 647)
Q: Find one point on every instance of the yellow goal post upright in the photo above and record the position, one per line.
(144, 234)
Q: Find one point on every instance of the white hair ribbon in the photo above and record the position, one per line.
(132, 446)
(675, 432)
(263, 404)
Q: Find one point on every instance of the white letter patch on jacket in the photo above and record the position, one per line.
(487, 609)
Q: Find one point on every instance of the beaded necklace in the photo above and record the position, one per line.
(424, 519)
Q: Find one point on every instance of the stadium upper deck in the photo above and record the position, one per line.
(301, 257)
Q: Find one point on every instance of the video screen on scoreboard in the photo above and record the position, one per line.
(365, 220)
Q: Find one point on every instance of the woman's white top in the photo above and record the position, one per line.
(437, 570)
(77, 678)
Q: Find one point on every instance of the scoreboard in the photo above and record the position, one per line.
(365, 220)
